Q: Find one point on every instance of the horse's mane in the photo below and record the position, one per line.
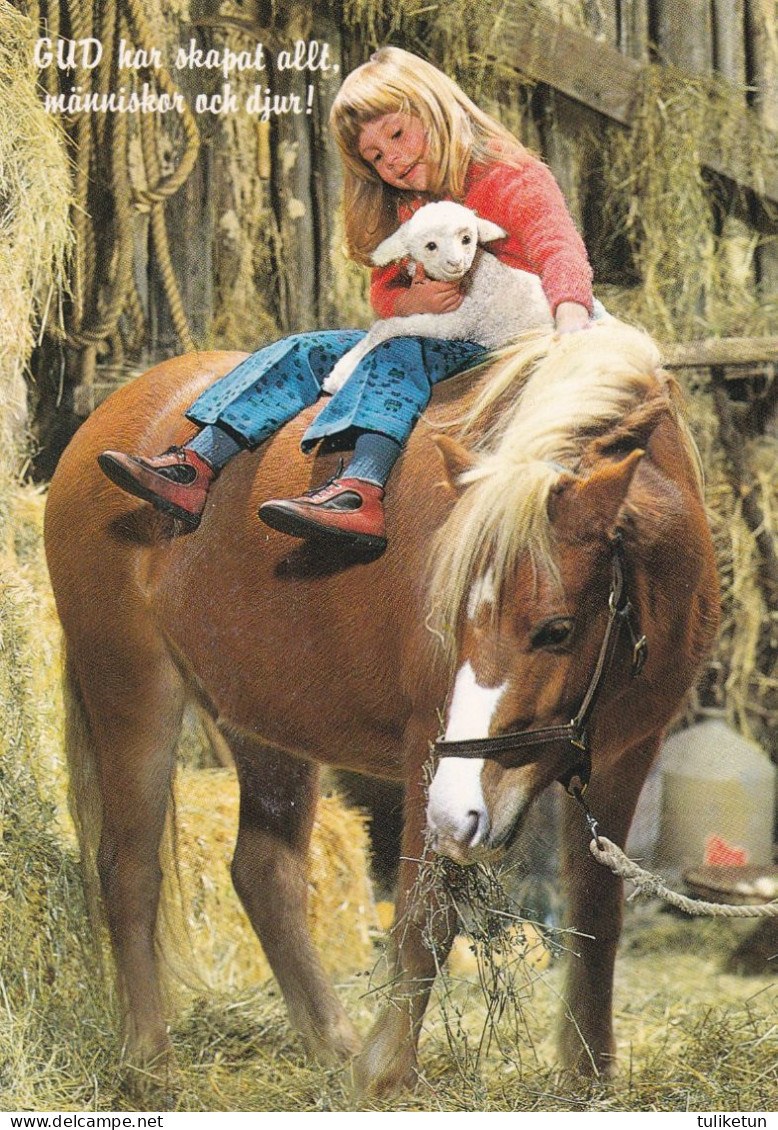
(536, 412)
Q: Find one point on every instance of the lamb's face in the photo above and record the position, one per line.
(445, 250)
(443, 236)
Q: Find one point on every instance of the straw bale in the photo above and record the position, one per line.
(34, 227)
(341, 911)
(44, 935)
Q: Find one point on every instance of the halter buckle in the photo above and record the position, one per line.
(639, 655)
(580, 770)
(576, 786)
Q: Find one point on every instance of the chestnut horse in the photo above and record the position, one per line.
(491, 603)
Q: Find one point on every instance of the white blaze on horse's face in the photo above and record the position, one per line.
(481, 594)
(457, 815)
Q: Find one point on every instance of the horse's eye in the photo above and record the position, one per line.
(431, 246)
(552, 633)
(467, 239)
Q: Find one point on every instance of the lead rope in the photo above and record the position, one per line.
(649, 885)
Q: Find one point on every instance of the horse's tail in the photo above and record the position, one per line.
(86, 808)
(173, 940)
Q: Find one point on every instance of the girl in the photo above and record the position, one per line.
(407, 134)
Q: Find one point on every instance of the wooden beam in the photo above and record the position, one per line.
(729, 352)
(602, 78)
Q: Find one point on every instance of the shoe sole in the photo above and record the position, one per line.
(301, 527)
(121, 477)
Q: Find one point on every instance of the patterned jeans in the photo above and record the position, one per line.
(386, 393)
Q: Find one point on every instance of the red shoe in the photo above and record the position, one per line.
(343, 510)
(175, 482)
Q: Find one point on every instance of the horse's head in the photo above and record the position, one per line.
(528, 645)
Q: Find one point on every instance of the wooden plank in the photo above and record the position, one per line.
(729, 22)
(730, 352)
(602, 78)
(633, 29)
(573, 63)
(684, 34)
(763, 50)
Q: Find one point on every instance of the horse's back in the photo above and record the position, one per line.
(262, 624)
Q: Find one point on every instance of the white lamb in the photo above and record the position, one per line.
(500, 302)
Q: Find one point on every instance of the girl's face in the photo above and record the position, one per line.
(396, 146)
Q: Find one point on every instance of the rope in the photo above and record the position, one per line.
(611, 856)
(159, 188)
(106, 309)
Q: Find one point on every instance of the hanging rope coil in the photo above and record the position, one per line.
(106, 308)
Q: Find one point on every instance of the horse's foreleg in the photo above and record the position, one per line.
(595, 910)
(421, 939)
(135, 720)
(278, 795)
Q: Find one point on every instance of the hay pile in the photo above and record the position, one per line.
(679, 232)
(341, 911)
(43, 964)
(34, 229)
(688, 1037)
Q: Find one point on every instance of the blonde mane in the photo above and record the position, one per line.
(550, 395)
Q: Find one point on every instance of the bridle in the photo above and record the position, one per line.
(521, 747)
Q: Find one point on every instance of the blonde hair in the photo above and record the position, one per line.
(556, 394)
(457, 132)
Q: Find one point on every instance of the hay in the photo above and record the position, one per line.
(341, 911)
(741, 678)
(694, 260)
(34, 229)
(44, 958)
(695, 267)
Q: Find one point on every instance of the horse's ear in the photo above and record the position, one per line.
(487, 231)
(456, 460)
(634, 431)
(394, 247)
(592, 504)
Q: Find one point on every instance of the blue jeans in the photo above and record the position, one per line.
(386, 393)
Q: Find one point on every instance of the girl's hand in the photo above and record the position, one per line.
(427, 296)
(571, 317)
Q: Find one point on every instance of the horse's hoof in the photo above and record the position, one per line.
(340, 1044)
(757, 953)
(151, 1083)
(375, 1078)
(585, 1060)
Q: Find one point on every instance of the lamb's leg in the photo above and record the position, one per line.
(343, 368)
(415, 325)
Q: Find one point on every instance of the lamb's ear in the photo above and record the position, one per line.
(488, 231)
(392, 248)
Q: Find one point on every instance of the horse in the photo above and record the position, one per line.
(541, 500)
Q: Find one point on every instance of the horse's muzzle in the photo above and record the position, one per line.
(463, 854)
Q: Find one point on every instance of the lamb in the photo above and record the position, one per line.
(500, 302)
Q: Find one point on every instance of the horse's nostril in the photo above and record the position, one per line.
(476, 828)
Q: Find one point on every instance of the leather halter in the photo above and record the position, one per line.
(514, 750)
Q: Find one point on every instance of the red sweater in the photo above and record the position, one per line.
(528, 203)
